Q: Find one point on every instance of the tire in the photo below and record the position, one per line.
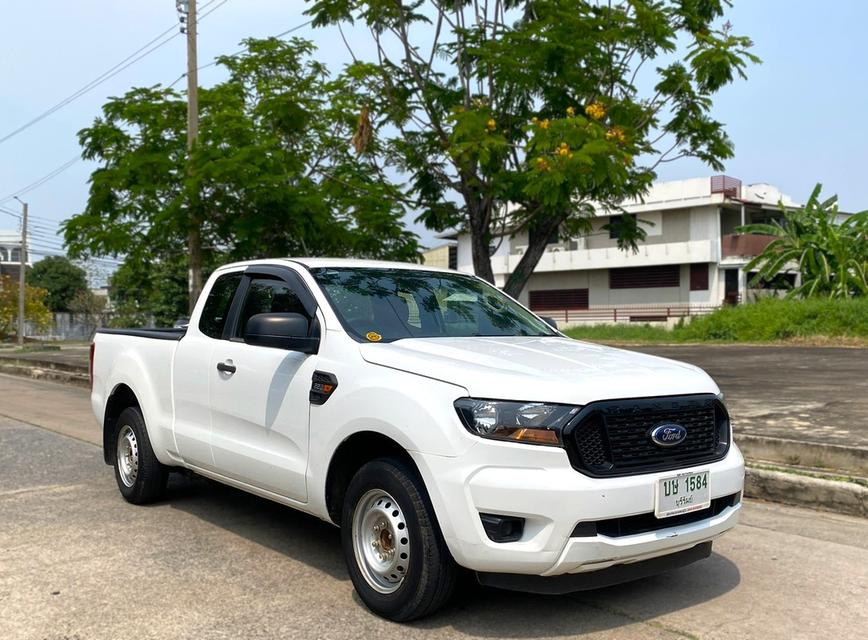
(417, 574)
(140, 476)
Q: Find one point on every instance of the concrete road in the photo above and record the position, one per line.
(811, 394)
(77, 562)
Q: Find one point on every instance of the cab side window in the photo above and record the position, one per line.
(265, 295)
(217, 305)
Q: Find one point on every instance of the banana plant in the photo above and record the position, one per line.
(830, 255)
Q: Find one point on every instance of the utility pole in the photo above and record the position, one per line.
(21, 272)
(189, 24)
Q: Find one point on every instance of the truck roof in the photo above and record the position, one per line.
(313, 263)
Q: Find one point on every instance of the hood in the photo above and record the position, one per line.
(542, 369)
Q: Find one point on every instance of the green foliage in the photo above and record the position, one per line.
(546, 105)
(273, 172)
(35, 309)
(831, 257)
(149, 294)
(60, 278)
(617, 333)
(767, 320)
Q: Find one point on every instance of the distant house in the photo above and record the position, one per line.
(445, 255)
(691, 260)
(10, 253)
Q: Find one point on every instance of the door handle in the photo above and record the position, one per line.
(226, 367)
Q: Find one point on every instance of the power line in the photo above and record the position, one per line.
(38, 183)
(130, 60)
(242, 50)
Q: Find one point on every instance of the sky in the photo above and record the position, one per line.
(799, 119)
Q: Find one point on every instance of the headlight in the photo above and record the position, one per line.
(532, 422)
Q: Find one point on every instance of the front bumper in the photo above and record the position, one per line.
(538, 484)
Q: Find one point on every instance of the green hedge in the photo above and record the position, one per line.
(764, 321)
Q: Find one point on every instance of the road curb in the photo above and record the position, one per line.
(63, 374)
(836, 457)
(799, 490)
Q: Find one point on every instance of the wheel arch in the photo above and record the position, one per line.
(353, 453)
(121, 397)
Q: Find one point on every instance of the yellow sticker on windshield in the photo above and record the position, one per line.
(373, 336)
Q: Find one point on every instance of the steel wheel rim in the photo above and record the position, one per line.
(128, 456)
(381, 543)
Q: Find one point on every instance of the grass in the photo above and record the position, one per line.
(771, 320)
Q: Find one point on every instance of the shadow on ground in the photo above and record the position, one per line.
(475, 610)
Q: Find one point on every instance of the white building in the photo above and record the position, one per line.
(10, 253)
(690, 261)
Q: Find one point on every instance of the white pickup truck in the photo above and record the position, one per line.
(438, 422)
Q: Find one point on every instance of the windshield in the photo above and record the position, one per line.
(389, 304)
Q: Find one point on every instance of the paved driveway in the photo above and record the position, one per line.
(77, 562)
(811, 394)
(805, 393)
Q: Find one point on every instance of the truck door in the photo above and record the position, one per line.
(191, 370)
(260, 395)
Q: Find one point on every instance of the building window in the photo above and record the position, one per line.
(615, 223)
(667, 275)
(699, 276)
(2, 254)
(559, 299)
(15, 255)
(453, 257)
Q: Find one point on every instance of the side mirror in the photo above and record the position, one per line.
(550, 321)
(289, 331)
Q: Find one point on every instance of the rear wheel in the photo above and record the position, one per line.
(395, 553)
(140, 476)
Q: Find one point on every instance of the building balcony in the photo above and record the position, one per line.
(612, 258)
(745, 245)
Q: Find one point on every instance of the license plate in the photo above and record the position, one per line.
(683, 493)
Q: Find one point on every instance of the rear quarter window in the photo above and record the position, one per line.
(217, 304)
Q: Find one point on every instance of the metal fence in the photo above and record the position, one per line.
(70, 326)
(627, 313)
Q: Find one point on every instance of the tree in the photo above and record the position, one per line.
(273, 172)
(60, 278)
(90, 308)
(150, 293)
(35, 310)
(524, 115)
(831, 256)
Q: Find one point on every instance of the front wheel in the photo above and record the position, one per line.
(395, 553)
(140, 476)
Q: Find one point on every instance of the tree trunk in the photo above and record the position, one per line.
(518, 279)
(194, 247)
(479, 240)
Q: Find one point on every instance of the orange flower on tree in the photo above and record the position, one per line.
(571, 111)
(544, 124)
(542, 164)
(564, 149)
(491, 124)
(617, 134)
(596, 111)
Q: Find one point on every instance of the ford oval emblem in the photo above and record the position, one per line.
(668, 434)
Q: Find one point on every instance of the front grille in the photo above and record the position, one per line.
(613, 438)
(646, 522)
